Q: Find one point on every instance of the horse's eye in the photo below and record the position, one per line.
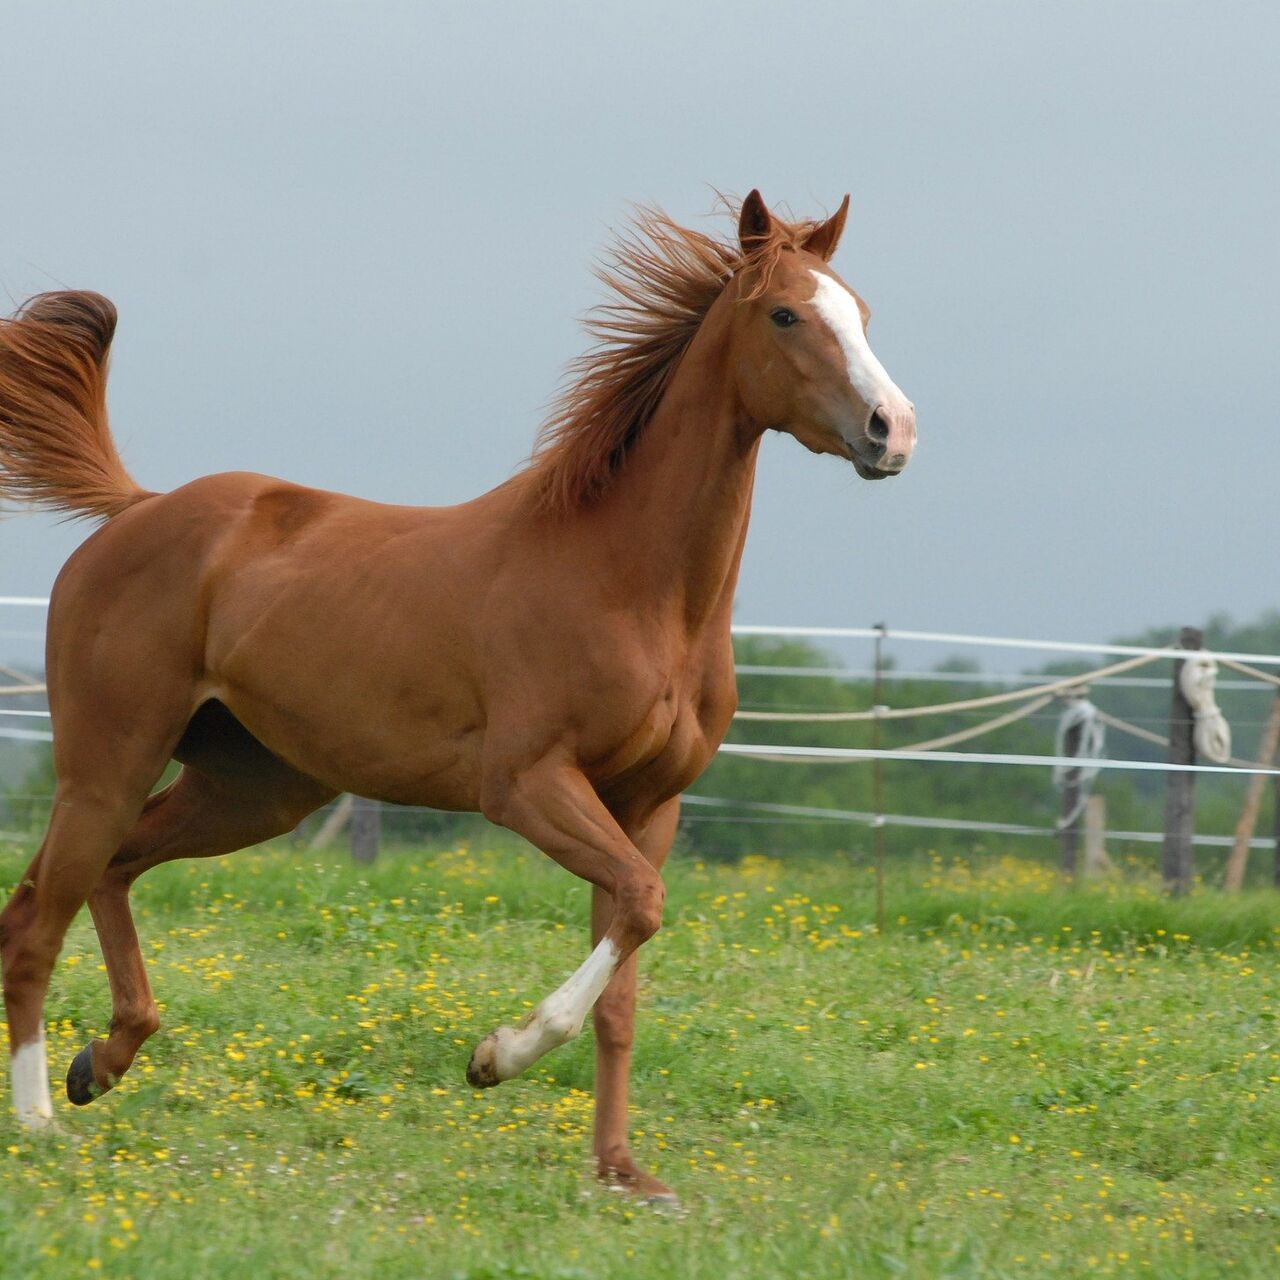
(783, 318)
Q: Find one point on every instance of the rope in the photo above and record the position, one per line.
(1081, 716)
(941, 708)
(24, 688)
(1246, 670)
(987, 726)
(1125, 727)
(1212, 734)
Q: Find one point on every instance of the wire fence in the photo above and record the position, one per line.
(1030, 697)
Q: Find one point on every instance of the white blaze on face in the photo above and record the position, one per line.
(30, 1075)
(838, 307)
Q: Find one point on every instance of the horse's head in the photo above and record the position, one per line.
(803, 362)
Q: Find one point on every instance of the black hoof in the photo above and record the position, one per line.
(82, 1088)
(482, 1070)
(481, 1075)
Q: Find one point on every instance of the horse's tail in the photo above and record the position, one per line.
(55, 445)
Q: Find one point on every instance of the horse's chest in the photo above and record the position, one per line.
(673, 737)
(646, 736)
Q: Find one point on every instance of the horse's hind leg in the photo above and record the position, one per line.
(88, 822)
(201, 815)
(120, 686)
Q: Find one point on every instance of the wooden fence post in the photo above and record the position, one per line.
(366, 829)
(1238, 859)
(1180, 789)
(338, 818)
(1096, 860)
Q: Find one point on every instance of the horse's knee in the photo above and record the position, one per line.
(25, 957)
(638, 907)
(16, 915)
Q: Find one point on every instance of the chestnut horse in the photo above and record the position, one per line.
(554, 654)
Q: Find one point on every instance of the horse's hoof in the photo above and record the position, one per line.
(625, 1177)
(82, 1084)
(46, 1129)
(36, 1122)
(664, 1202)
(482, 1070)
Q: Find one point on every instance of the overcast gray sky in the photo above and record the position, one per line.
(349, 244)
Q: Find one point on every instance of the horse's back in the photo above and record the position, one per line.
(236, 547)
(213, 556)
(200, 536)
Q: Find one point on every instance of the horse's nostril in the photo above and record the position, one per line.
(878, 428)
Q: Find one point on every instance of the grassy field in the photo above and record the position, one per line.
(1016, 1080)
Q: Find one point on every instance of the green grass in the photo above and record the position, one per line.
(1016, 1080)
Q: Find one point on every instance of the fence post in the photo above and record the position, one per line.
(1096, 861)
(1275, 825)
(338, 818)
(1069, 831)
(366, 829)
(1238, 859)
(1180, 789)
(877, 788)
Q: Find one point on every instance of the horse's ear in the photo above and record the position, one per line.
(822, 240)
(755, 222)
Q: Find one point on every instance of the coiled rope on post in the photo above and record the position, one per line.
(1212, 734)
(1079, 716)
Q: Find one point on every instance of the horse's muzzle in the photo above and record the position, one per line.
(886, 444)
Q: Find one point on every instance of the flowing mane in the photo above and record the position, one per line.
(664, 278)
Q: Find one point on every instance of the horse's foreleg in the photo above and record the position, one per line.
(614, 1017)
(554, 806)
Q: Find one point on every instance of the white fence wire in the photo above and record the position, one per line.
(786, 754)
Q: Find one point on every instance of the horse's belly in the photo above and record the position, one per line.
(394, 756)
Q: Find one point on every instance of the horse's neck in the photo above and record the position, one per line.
(683, 496)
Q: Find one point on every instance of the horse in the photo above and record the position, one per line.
(554, 654)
